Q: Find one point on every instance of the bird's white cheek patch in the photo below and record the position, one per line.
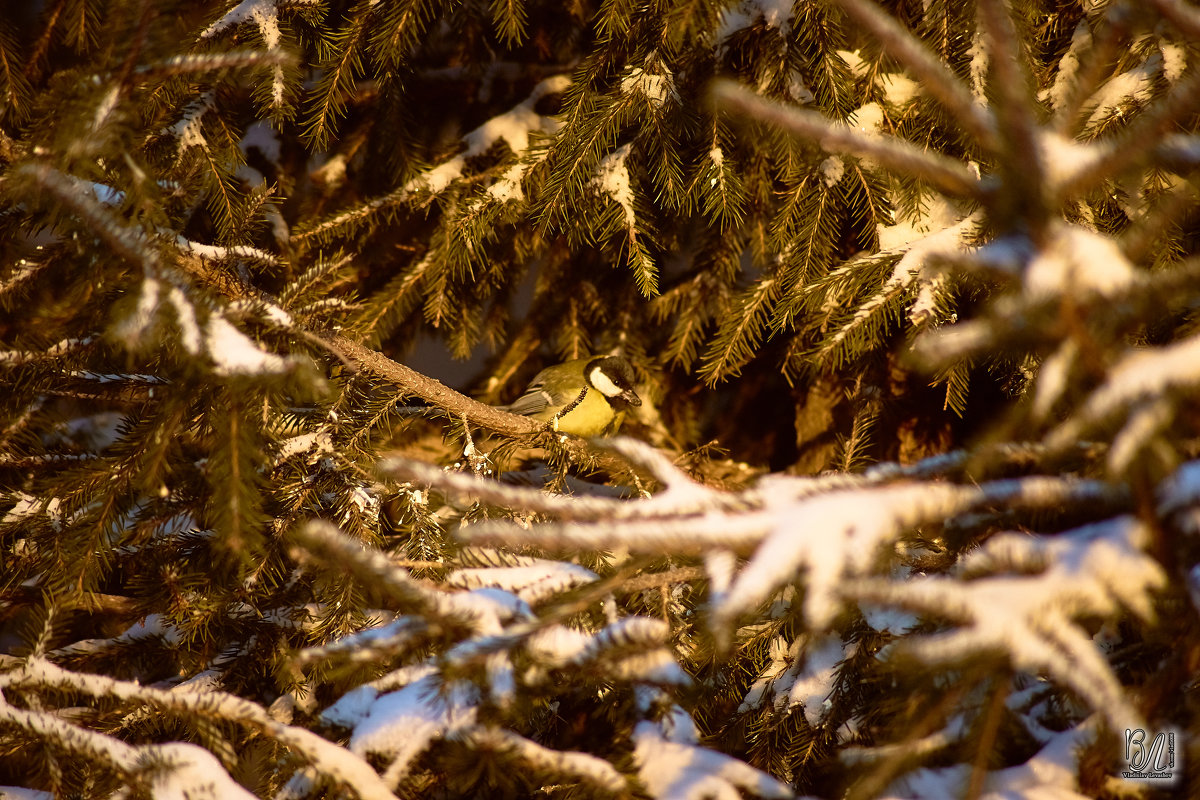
(603, 384)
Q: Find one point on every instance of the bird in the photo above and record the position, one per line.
(585, 397)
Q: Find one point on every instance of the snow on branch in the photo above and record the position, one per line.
(1094, 571)
(321, 542)
(174, 769)
(513, 127)
(571, 765)
(680, 494)
(328, 758)
(77, 196)
(947, 175)
(265, 16)
(681, 771)
(401, 725)
(1140, 376)
(532, 582)
(791, 527)
(932, 72)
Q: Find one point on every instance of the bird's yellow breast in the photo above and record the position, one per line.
(594, 416)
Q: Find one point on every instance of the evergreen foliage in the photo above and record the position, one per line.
(910, 508)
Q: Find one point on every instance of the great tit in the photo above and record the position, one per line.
(584, 397)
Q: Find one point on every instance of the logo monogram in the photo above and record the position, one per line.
(1153, 761)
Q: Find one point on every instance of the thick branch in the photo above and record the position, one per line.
(434, 392)
(532, 433)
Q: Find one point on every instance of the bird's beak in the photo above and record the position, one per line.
(630, 396)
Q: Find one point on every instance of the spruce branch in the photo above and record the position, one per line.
(928, 68)
(680, 494)
(328, 758)
(321, 542)
(1183, 16)
(571, 765)
(434, 392)
(77, 196)
(1138, 143)
(1021, 163)
(188, 63)
(947, 175)
(167, 767)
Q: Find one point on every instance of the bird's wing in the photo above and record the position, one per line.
(535, 400)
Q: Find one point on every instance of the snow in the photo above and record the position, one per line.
(1068, 67)
(437, 179)
(940, 232)
(28, 507)
(868, 119)
(571, 764)
(364, 500)
(20, 793)
(400, 725)
(898, 90)
(1096, 570)
(1139, 375)
(843, 532)
(626, 632)
(798, 90)
(263, 137)
(814, 685)
(185, 319)
(58, 348)
(1181, 491)
(1174, 60)
(557, 645)
(334, 762)
(508, 186)
(656, 88)
(887, 619)
(133, 327)
(1049, 775)
(486, 609)
(316, 444)
(513, 127)
(938, 214)
(190, 772)
(261, 12)
(612, 179)
(1132, 87)
(782, 657)
(978, 68)
(800, 674)
(1052, 380)
(221, 253)
(236, 354)
(1066, 160)
(532, 583)
(774, 14)
(106, 107)
(854, 61)
(188, 128)
(277, 316)
(1076, 260)
(832, 169)
(1144, 423)
(676, 771)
